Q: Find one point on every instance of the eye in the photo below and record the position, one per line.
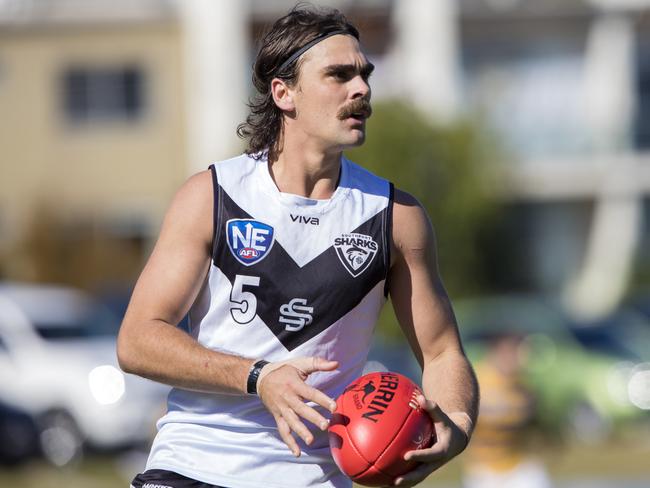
(340, 75)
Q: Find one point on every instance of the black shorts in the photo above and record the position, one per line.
(161, 478)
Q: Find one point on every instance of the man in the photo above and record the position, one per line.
(283, 257)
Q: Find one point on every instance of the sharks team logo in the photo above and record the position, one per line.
(356, 252)
(249, 240)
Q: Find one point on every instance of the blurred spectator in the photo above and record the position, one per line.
(497, 456)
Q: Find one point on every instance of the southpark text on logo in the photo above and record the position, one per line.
(249, 240)
(356, 252)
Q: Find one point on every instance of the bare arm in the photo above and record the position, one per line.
(150, 344)
(425, 314)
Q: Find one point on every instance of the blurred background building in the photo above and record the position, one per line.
(107, 106)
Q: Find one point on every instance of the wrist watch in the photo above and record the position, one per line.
(253, 376)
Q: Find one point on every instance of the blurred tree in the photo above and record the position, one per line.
(640, 273)
(81, 252)
(448, 169)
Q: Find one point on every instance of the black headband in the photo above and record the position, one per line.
(310, 44)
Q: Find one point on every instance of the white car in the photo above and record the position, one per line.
(58, 363)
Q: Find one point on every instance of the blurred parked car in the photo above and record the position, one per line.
(624, 332)
(578, 387)
(639, 302)
(58, 363)
(18, 435)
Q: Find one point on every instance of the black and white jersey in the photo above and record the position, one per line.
(290, 276)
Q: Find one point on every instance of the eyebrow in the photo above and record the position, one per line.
(365, 70)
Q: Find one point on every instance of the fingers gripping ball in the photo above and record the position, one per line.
(377, 420)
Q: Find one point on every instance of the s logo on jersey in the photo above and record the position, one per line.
(356, 252)
(249, 240)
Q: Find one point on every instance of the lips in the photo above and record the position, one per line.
(358, 117)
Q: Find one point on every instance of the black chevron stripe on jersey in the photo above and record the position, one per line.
(323, 284)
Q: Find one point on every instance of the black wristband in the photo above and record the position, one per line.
(253, 375)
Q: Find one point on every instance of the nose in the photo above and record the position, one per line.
(360, 88)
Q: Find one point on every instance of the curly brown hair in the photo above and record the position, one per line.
(288, 35)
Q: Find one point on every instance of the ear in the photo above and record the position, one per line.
(282, 95)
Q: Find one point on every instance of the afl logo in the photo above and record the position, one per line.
(249, 240)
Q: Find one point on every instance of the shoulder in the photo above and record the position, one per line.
(195, 191)
(237, 165)
(190, 212)
(412, 229)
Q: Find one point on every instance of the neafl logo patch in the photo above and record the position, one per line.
(356, 252)
(249, 240)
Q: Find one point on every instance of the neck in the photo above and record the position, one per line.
(305, 170)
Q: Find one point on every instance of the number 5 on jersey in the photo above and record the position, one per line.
(243, 303)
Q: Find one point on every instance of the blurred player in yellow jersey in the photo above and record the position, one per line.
(497, 457)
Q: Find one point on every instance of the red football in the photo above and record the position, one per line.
(377, 420)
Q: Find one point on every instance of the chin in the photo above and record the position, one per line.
(356, 140)
(359, 141)
(347, 140)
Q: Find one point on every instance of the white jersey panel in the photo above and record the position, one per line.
(290, 277)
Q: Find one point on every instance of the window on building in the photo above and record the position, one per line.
(641, 269)
(642, 51)
(642, 126)
(526, 78)
(98, 94)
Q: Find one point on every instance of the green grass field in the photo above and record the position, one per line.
(620, 461)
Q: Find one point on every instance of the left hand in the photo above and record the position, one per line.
(450, 441)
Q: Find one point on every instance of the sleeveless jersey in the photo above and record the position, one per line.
(290, 276)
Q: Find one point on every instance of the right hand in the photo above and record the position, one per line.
(282, 388)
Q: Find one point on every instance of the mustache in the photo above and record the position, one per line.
(357, 106)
